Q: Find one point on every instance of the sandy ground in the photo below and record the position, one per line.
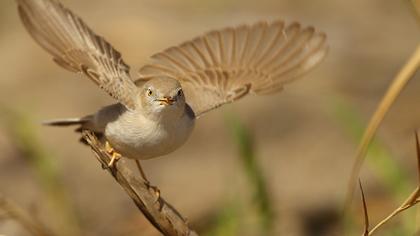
(304, 150)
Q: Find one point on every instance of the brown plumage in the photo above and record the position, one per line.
(156, 114)
(225, 65)
(77, 48)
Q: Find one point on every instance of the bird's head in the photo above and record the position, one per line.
(163, 96)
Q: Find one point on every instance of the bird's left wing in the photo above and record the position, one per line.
(77, 48)
(224, 65)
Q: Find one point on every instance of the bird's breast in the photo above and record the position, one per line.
(137, 137)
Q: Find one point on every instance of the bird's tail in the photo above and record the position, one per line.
(67, 121)
(83, 123)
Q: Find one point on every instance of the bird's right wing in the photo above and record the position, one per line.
(77, 48)
(224, 65)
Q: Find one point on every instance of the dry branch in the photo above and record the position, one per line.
(160, 213)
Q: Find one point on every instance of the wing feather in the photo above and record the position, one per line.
(75, 47)
(224, 65)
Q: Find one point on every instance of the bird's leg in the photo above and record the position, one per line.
(143, 175)
(115, 155)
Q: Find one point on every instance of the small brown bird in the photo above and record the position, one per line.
(156, 113)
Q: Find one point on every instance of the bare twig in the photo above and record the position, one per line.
(30, 223)
(160, 213)
(402, 78)
(365, 210)
(418, 156)
(411, 201)
(416, 6)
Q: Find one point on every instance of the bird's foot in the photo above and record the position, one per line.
(115, 155)
(146, 181)
(108, 148)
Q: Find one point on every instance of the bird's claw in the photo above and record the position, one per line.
(115, 155)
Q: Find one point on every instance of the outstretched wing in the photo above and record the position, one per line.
(224, 65)
(77, 48)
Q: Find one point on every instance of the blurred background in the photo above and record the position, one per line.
(274, 165)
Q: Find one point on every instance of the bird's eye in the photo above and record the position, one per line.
(180, 92)
(149, 92)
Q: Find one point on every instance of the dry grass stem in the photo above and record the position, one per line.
(365, 211)
(30, 223)
(411, 201)
(402, 78)
(416, 6)
(160, 213)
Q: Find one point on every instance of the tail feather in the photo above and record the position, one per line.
(74, 121)
(66, 122)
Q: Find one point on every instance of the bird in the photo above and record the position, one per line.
(155, 113)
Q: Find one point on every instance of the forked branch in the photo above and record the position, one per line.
(160, 213)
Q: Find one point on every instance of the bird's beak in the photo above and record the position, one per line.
(166, 101)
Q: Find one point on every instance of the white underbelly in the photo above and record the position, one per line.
(150, 140)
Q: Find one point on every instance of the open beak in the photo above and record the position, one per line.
(166, 101)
